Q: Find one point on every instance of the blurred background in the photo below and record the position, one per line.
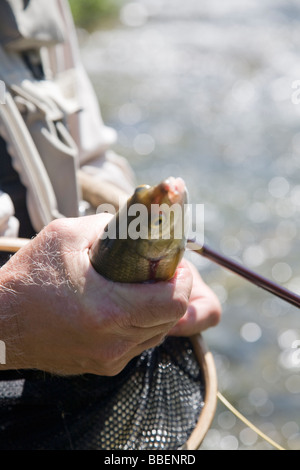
(208, 91)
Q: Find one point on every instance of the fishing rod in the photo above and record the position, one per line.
(244, 272)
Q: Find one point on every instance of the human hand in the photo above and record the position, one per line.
(204, 309)
(57, 314)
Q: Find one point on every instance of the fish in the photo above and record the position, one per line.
(146, 239)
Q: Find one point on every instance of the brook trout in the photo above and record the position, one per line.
(146, 239)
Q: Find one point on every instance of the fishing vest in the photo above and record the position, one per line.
(33, 112)
(39, 106)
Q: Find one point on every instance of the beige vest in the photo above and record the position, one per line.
(52, 126)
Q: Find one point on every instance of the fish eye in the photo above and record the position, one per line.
(159, 219)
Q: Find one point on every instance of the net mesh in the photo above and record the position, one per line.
(154, 403)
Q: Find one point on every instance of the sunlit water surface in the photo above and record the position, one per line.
(204, 90)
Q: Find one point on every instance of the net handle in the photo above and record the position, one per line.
(11, 244)
(207, 365)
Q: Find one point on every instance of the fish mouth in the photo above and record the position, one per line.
(175, 187)
(170, 191)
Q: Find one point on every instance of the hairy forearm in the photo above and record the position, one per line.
(11, 352)
(26, 282)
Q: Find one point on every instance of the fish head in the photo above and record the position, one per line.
(162, 219)
(146, 239)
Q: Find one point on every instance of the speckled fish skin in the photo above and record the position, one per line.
(150, 258)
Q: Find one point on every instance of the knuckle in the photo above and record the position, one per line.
(155, 341)
(50, 235)
(114, 369)
(116, 357)
(215, 314)
(58, 225)
(53, 229)
(56, 232)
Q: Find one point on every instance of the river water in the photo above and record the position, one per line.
(209, 91)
